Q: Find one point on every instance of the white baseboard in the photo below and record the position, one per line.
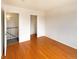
(65, 43)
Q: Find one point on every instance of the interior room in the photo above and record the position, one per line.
(33, 26)
(12, 20)
(39, 29)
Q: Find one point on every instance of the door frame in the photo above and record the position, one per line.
(5, 40)
(36, 25)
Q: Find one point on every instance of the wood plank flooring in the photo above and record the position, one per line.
(40, 48)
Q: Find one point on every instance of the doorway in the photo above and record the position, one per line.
(12, 28)
(33, 27)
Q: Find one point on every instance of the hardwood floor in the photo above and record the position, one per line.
(40, 48)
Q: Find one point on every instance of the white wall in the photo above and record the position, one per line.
(24, 21)
(61, 25)
(41, 26)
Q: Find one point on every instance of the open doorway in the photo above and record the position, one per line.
(12, 28)
(33, 27)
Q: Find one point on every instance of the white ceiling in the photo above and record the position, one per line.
(43, 5)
